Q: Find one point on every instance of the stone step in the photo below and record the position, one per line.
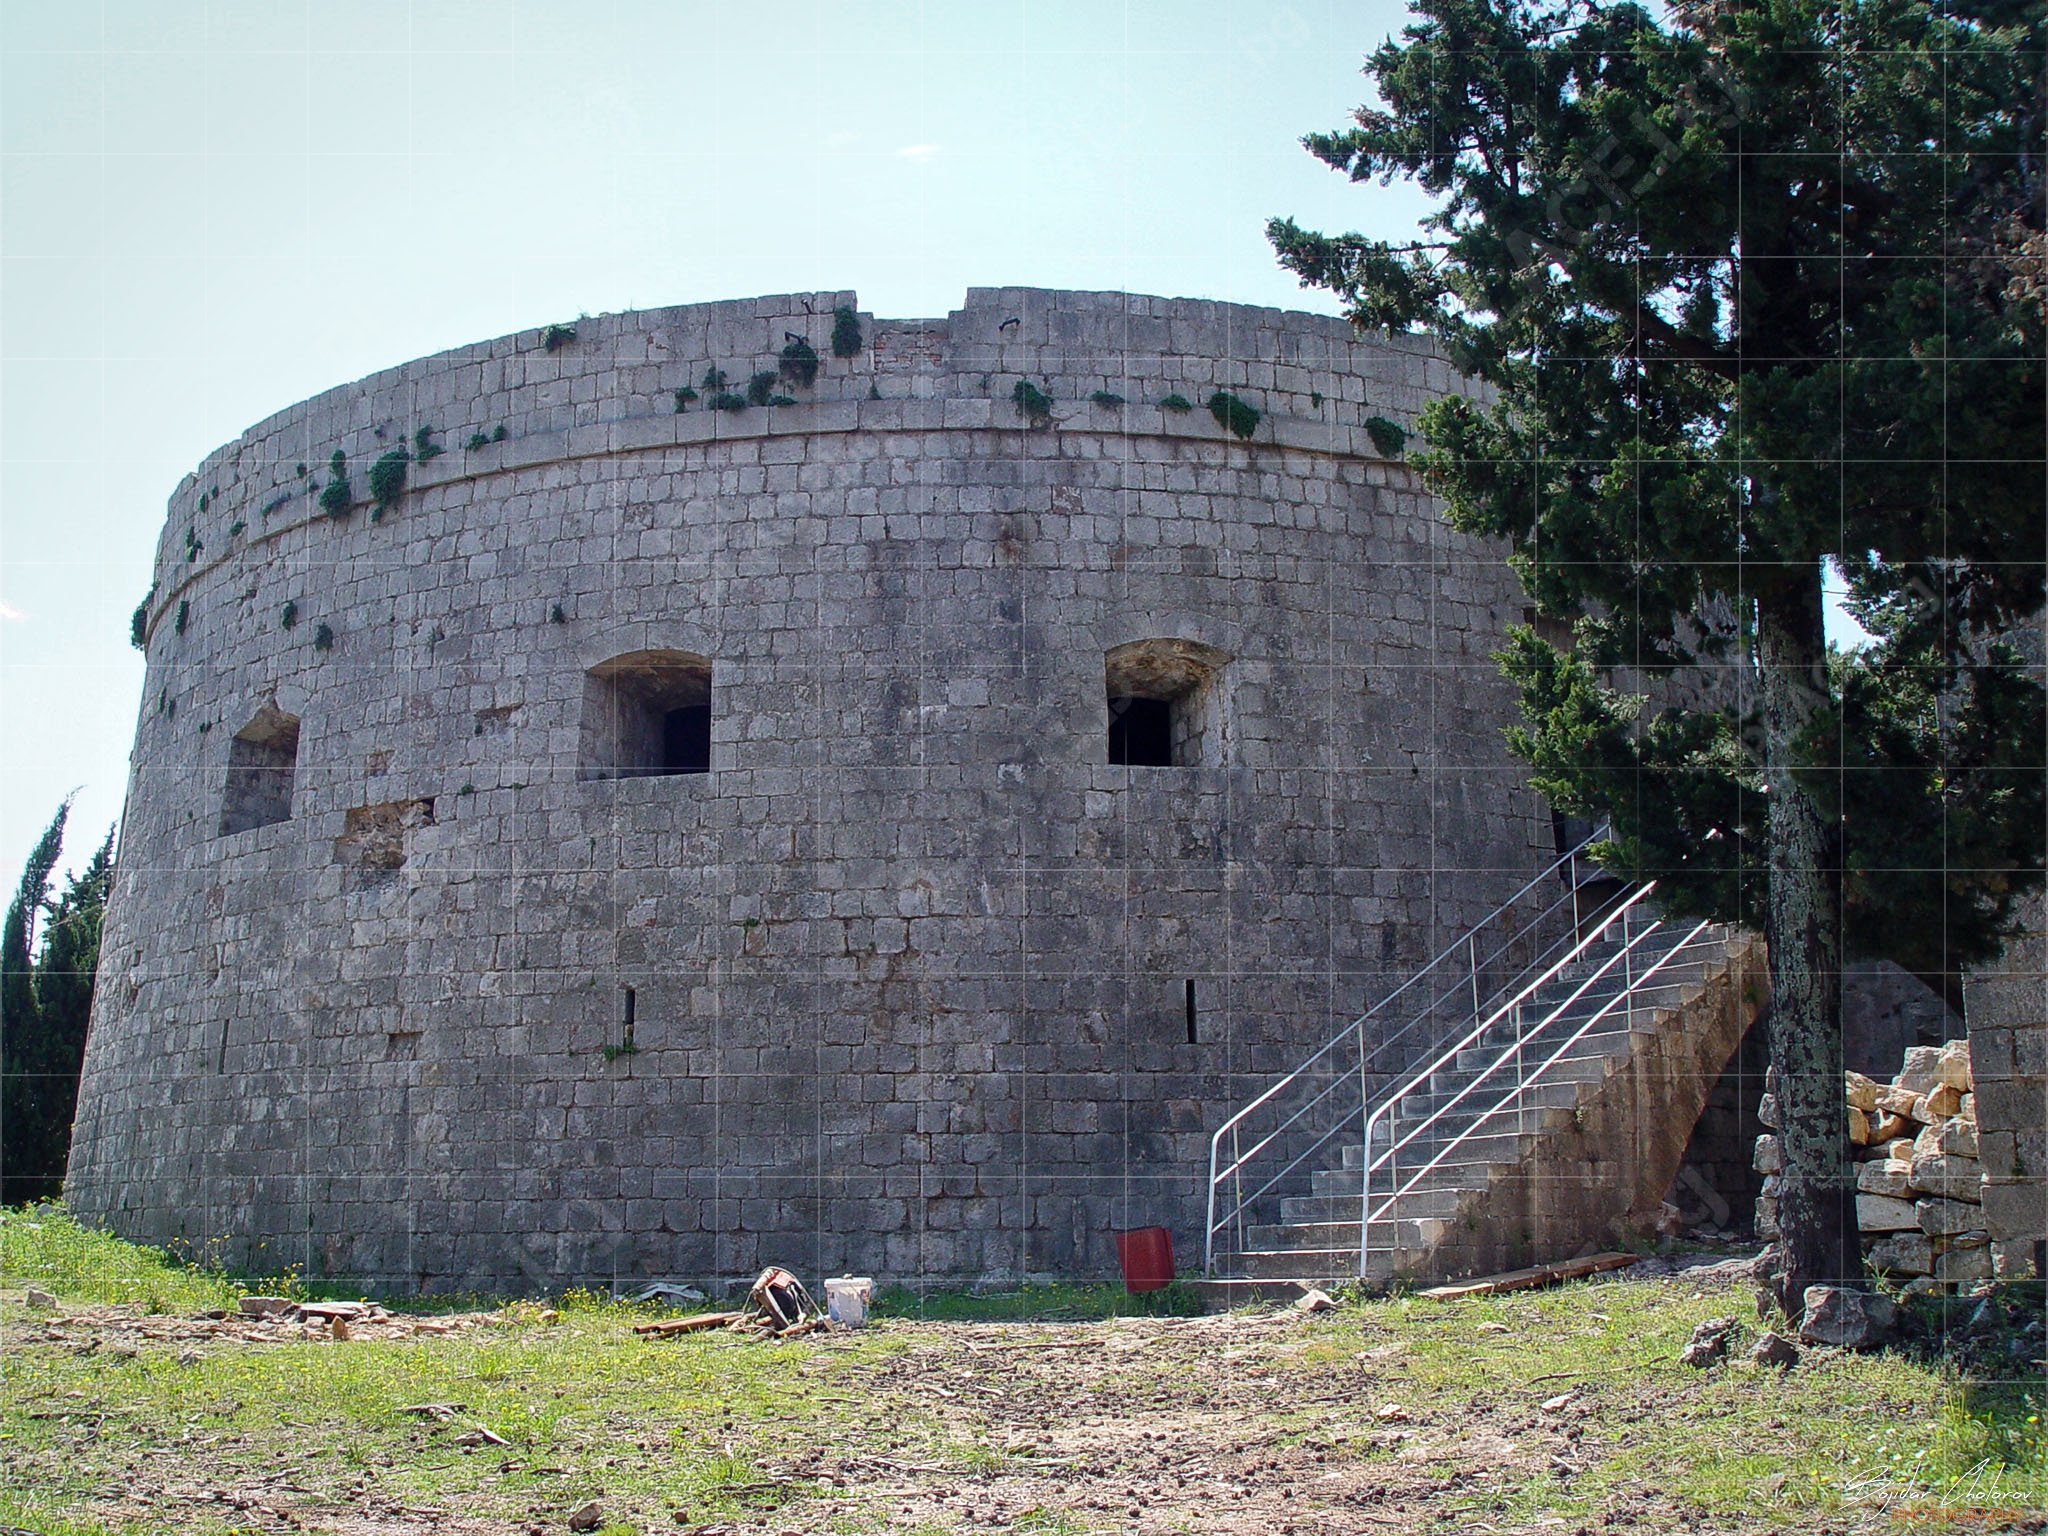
(1321, 1265)
(1612, 1036)
(1553, 1090)
(1388, 1237)
(1489, 1131)
(1444, 1200)
(1481, 1149)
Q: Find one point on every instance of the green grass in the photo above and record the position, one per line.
(1889, 1426)
(43, 1246)
(711, 1427)
(1065, 1303)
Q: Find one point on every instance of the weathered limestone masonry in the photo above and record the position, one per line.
(2007, 1004)
(664, 841)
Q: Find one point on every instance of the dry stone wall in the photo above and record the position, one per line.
(1919, 1181)
(406, 979)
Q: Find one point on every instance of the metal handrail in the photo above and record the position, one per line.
(1366, 1057)
(1367, 1212)
(1356, 1030)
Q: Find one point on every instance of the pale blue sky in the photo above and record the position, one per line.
(212, 208)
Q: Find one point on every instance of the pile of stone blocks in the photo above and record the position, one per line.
(1919, 1185)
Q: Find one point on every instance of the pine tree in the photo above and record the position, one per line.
(1742, 287)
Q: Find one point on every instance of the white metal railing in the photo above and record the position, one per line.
(1338, 1092)
(1633, 946)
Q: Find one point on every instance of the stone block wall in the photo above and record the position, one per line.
(908, 965)
(2006, 1005)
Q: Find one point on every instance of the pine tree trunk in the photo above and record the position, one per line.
(1816, 1188)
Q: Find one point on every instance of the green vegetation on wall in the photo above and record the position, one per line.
(337, 497)
(138, 621)
(1033, 404)
(799, 363)
(1234, 415)
(846, 338)
(1387, 436)
(387, 481)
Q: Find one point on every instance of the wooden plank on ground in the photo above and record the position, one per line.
(1528, 1279)
(689, 1324)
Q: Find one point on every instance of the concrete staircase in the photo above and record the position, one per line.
(1556, 1126)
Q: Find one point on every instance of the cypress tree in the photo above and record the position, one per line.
(1742, 286)
(45, 1008)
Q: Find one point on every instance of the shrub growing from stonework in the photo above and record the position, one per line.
(1732, 272)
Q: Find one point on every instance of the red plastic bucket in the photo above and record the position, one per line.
(1147, 1258)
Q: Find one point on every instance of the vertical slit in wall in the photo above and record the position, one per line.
(221, 1066)
(1192, 1039)
(631, 998)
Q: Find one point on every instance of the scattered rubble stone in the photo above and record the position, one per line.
(1847, 1319)
(1709, 1342)
(587, 1517)
(42, 1301)
(1775, 1349)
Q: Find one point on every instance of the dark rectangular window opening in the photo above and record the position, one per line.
(1192, 1040)
(686, 739)
(632, 997)
(263, 759)
(646, 715)
(1140, 733)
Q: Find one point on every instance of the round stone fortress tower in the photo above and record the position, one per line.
(883, 827)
